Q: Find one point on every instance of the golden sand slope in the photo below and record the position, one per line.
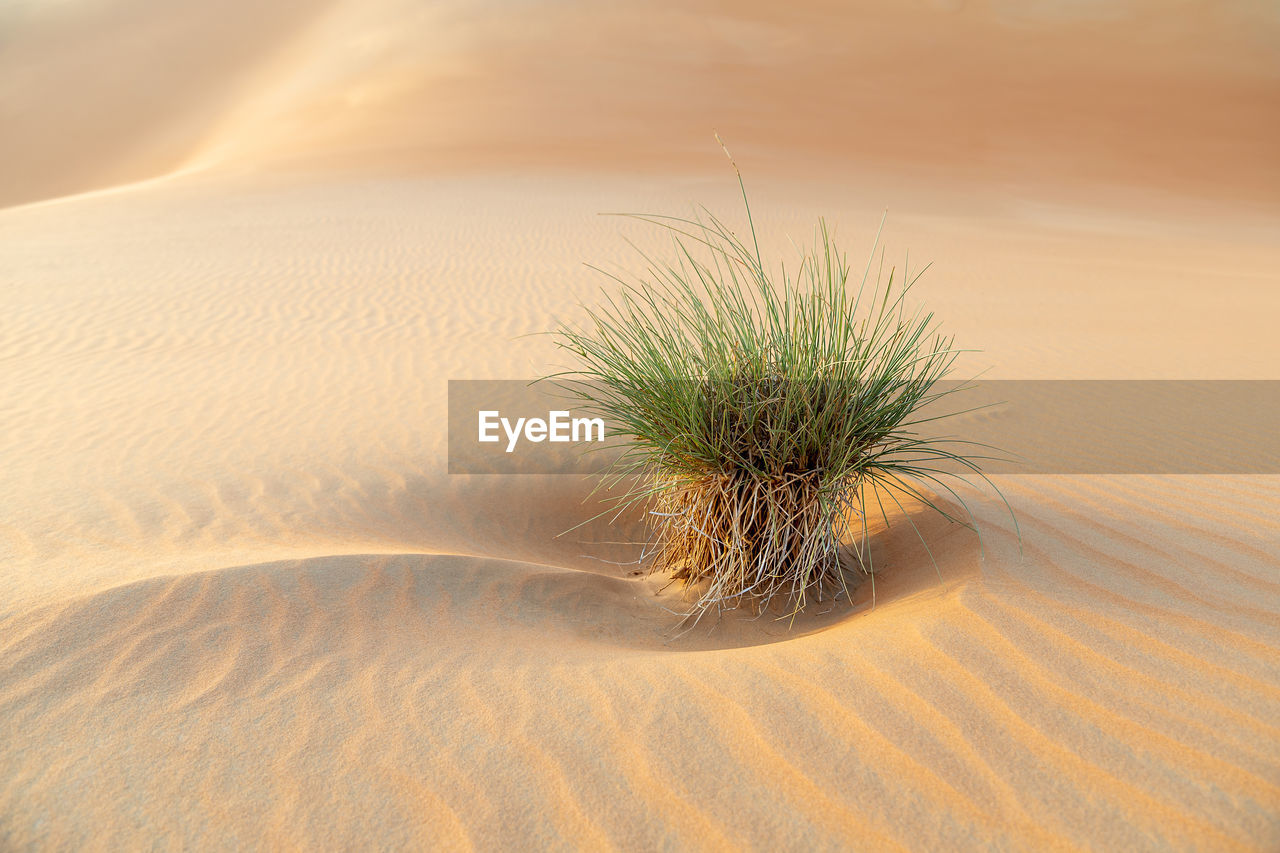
(242, 603)
(1174, 94)
(237, 601)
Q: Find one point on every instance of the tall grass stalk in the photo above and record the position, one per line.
(763, 407)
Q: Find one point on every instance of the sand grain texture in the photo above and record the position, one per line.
(242, 604)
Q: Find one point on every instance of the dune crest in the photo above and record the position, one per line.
(1027, 98)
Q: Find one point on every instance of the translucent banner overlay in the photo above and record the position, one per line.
(1037, 427)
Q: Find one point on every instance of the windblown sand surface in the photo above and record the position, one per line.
(242, 604)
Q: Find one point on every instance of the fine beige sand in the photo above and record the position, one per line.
(244, 606)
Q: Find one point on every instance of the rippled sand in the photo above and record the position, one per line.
(243, 604)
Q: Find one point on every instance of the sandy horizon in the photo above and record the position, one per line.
(243, 603)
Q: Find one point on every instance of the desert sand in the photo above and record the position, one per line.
(243, 605)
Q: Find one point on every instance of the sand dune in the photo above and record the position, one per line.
(1011, 95)
(1116, 694)
(243, 604)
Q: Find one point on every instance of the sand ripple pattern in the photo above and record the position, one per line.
(1064, 698)
(241, 604)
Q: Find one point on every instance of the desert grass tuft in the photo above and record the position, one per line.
(761, 407)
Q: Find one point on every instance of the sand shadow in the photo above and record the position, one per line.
(558, 521)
